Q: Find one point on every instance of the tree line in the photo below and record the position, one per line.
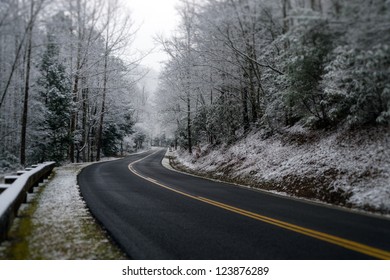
(242, 65)
(65, 88)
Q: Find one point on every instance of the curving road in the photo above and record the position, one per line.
(156, 213)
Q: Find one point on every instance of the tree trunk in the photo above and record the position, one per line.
(245, 116)
(285, 8)
(100, 131)
(13, 69)
(73, 121)
(85, 128)
(189, 124)
(26, 93)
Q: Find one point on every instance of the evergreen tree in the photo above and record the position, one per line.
(56, 101)
(306, 68)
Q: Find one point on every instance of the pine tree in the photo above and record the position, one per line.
(56, 99)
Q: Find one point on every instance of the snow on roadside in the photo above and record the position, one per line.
(355, 164)
(61, 225)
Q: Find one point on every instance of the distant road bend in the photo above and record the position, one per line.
(156, 213)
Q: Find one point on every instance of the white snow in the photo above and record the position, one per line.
(8, 197)
(354, 162)
(62, 227)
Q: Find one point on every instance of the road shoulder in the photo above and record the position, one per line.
(56, 224)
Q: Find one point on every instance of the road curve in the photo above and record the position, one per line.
(156, 213)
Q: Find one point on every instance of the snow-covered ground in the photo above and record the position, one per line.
(346, 168)
(59, 226)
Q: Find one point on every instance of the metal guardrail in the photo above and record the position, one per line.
(14, 192)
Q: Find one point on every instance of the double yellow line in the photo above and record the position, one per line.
(348, 244)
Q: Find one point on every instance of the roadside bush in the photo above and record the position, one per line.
(362, 79)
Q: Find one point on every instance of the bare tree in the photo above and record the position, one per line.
(35, 8)
(119, 33)
(19, 48)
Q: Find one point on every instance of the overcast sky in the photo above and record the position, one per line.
(154, 17)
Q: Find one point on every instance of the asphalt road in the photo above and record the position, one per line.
(156, 213)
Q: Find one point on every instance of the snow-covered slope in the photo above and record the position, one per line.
(346, 168)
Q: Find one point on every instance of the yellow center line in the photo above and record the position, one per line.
(342, 242)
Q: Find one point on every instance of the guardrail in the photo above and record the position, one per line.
(14, 192)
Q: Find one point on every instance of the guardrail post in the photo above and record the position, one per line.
(10, 179)
(3, 187)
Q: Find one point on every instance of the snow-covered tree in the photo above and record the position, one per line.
(90, 39)
(56, 100)
(270, 64)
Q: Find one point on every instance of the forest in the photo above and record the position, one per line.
(68, 76)
(289, 96)
(242, 65)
